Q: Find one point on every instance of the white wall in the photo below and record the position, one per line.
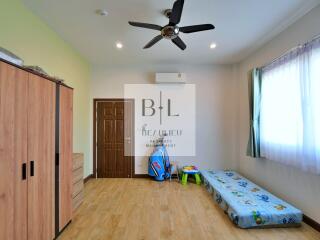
(216, 114)
(297, 187)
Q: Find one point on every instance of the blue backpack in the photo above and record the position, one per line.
(159, 164)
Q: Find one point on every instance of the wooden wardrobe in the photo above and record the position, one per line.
(64, 160)
(28, 155)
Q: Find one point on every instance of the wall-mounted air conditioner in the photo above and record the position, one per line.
(169, 78)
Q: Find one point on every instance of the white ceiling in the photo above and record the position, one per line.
(242, 26)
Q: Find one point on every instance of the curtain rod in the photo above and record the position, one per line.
(290, 50)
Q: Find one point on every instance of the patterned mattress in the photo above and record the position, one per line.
(247, 204)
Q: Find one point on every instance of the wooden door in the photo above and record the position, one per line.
(112, 161)
(65, 159)
(41, 152)
(13, 152)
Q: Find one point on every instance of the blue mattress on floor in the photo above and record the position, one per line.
(247, 204)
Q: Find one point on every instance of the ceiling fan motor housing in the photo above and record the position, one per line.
(170, 32)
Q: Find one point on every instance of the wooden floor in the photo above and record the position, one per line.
(140, 209)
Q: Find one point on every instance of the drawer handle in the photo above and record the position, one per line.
(32, 168)
(24, 171)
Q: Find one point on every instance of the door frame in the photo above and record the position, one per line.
(95, 108)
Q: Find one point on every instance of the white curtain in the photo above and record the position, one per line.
(290, 109)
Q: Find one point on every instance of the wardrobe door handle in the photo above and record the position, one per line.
(32, 168)
(24, 171)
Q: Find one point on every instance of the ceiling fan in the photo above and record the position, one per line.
(171, 31)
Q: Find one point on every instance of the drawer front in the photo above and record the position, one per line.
(77, 175)
(77, 188)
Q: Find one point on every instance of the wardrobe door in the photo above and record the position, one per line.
(13, 152)
(65, 162)
(41, 142)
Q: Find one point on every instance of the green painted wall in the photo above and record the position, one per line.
(24, 34)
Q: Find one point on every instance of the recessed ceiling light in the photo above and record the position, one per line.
(102, 12)
(213, 45)
(119, 45)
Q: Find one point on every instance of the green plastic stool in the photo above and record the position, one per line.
(185, 177)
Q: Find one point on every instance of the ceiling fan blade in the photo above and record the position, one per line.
(153, 41)
(146, 25)
(196, 28)
(177, 41)
(176, 13)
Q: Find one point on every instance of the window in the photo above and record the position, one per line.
(290, 109)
